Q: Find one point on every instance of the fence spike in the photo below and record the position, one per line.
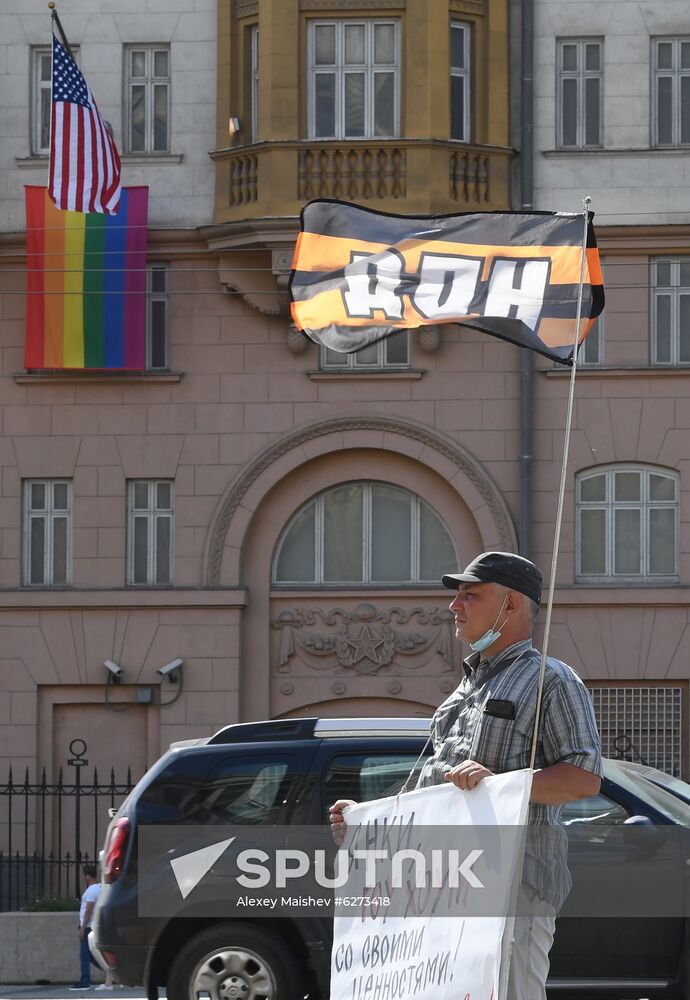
(41, 864)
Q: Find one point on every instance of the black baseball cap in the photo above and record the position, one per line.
(506, 568)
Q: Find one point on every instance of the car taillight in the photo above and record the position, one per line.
(115, 853)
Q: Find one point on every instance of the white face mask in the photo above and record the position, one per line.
(490, 636)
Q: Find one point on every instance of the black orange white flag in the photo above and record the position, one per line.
(359, 275)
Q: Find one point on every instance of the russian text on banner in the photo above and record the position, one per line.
(359, 275)
(396, 952)
(86, 285)
(84, 162)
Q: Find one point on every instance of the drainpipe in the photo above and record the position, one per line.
(526, 204)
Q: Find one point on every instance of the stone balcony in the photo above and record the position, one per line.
(408, 176)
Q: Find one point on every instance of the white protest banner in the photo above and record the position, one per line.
(385, 951)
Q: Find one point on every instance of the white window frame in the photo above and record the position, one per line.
(38, 87)
(333, 361)
(339, 69)
(676, 73)
(580, 75)
(152, 513)
(149, 82)
(591, 350)
(610, 505)
(674, 291)
(154, 295)
(49, 514)
(415, 522)
(464, 73)
(254, 83)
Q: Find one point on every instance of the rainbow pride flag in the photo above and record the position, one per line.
(86, 285)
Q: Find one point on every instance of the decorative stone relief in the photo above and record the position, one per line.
(362, 641)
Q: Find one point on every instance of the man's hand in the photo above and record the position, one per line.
(467, 775)
(82, 934)
(338, 824)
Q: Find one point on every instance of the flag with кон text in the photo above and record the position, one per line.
(359, 275)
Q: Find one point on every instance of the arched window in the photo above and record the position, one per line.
(365, 533)
(627, 524)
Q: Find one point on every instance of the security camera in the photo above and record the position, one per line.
(115, 671)
(170, 670)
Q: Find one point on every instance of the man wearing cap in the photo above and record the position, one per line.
(486, 726)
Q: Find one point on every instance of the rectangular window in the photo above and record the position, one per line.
(627, 525)
(670, 310)
(460, 94)
(390, 353)
(47, 532)
(157, 318)
(40, 100)
(150, 517)
(591, 352)
(254, 89)
(580, 70)
(354, 79)
(670, 91)
(147, 99)
(41, 72)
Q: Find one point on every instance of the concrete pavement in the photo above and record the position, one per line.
(62, 992)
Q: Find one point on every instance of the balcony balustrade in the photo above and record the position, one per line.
(411, 176)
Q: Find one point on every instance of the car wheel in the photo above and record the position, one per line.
(235, 962)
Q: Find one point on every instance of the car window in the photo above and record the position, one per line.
(245, 791)
(171, 794)
(667, 781)
(364, 777)
(598, 810)
(658, 798)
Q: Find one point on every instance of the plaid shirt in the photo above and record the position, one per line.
(462, 729)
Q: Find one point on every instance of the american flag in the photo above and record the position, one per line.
(84, 162)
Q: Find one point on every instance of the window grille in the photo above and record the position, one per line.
(643, 724)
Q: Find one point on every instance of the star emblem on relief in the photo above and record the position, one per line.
(365, 646)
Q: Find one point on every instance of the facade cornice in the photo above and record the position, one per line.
(86, 599)
(246, 8)
(467, 6)
(679, 371)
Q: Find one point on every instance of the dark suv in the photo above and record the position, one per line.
(287, 772)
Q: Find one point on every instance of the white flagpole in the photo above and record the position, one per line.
(561, 492)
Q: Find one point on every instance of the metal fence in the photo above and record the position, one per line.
(48, 830)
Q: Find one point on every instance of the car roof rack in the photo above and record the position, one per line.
(300, 729)
(372, 727)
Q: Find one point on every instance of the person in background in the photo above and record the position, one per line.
(88, 904)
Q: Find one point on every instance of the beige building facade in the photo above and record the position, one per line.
(275, 517)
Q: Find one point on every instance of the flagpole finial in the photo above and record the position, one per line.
(51, 6)
(586, 201)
